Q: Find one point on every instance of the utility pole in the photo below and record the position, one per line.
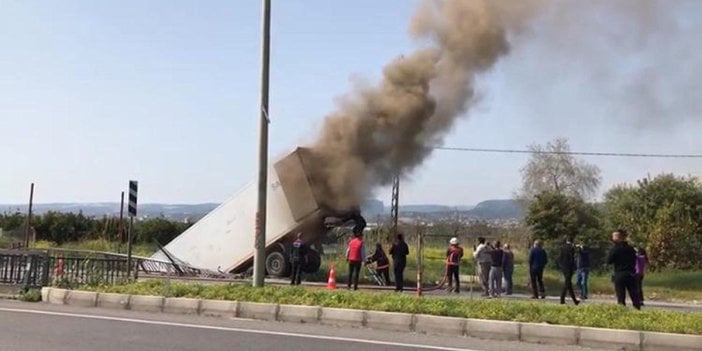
(260, 240)
(395, 204)
(28, 228)
(420, 259)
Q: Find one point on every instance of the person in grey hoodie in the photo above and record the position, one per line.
(484, 259)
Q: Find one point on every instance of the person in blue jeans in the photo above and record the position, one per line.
(582, 281)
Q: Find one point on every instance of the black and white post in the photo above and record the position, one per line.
(132, 210)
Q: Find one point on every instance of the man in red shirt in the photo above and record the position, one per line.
(355, 255)
(453, 262)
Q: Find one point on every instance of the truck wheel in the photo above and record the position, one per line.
(277, 265)
(314, 260)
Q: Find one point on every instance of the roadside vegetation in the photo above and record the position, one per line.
(600, 316)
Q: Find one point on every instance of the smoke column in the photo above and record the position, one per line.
(377, 132)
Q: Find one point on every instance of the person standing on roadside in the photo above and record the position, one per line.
(355, 255)
(508, 269)
(298, 253)
(583, 278)
(640, 271)
(454, 254)
(496, 270)
(484, 260)
(382, 262)
(623, 258)
(537, 262)
(566, 263)
(399, 252)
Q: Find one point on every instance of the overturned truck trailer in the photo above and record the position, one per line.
(224, 239)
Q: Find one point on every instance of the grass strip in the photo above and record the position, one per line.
(594, 315)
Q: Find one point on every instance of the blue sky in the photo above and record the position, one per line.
(93, 94)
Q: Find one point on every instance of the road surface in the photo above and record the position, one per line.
(26, 326)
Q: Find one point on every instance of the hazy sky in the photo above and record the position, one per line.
(94, 93)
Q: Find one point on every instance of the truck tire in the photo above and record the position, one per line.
(277, 265)
(313, 262)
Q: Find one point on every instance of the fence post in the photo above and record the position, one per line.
(47, 267)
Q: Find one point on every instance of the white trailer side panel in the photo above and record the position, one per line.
(225, 237)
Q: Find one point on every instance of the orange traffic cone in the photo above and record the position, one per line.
(331, 283)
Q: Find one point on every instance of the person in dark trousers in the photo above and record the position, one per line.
(483, 259)
(496, 270)
(355, 255)
(566, 263)
(623, 258)
(454, 254)
(298, 253)
(640, 271)
(583, 279)
(382, 262)
(508, 269)
(537, 262)
(399, 252)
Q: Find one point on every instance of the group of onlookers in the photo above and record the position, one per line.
(495, 263)
(629, 267)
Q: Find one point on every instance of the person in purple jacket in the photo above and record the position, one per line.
(640, 271)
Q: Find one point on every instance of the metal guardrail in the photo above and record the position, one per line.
(28, 269)
(69, 268)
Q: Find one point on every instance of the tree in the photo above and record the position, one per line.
(552, 169)
(552, 216)
(159, 229)
(663, 214)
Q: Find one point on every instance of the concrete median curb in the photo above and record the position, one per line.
(181, 305)
(549, 334)
(261, 311)
(114, 301)
(57, 296)
(299, 314)
(390, 321)
(493, 330)
(671, 342)
(611, 339)
(449, 326)
(218, 308)
(146, 303)
(81, 298)
(342, 317)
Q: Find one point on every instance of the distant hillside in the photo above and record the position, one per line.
(490, 209)
(176, 212)
(497, 209)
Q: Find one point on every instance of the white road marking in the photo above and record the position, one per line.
(238, 330)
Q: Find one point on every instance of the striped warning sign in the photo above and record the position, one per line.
(132, 207)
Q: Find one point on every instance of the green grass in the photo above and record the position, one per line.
(31, 295)
(600, 316)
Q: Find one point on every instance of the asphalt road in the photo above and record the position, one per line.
(25, 326)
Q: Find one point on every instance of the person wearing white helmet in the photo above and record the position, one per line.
(453, 262)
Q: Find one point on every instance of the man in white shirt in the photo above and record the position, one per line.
(484, 259)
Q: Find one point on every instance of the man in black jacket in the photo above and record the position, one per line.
(566, 263)
(537, 262)
(399, 252)
(298, 253)
(623, 257)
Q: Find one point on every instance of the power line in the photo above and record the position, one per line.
(606, 154)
